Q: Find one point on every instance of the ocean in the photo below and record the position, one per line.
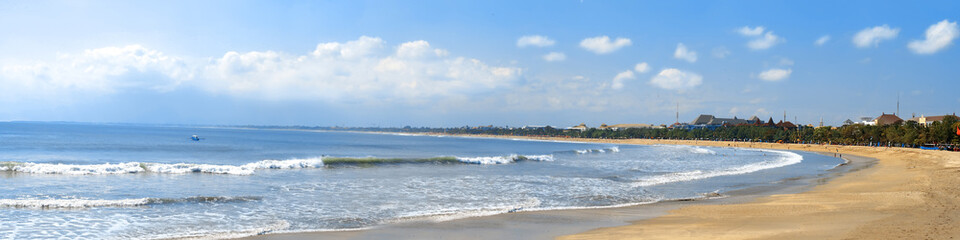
(124, 181)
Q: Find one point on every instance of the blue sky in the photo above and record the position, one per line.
(454, 63)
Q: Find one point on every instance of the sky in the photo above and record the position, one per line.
(454, 63)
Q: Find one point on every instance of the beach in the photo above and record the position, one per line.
(891, 193)
(909, 193)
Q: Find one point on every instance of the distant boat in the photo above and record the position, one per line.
(195, 138)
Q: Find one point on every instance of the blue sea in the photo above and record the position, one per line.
(122, 181)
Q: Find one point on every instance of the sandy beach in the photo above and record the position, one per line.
(905, 193)
(908, 194)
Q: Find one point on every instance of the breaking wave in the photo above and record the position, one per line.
(691, 149)
(504, 159)
(134, 202)
(785, 159)
(600, 150)
(140, 167)
(246, 169)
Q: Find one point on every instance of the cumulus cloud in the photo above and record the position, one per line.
(747, 31)
(938, 37)
(361, 47)
(675, 79)
(554, 57)
(822, 40)
(358, 71)
(765, 42)
(641, 67)
(603, 45)
(405, 75)
(418, 49)
(871, 37)
(101, 70)
(684, 54)
(776, 74)
(622, 76)
(760, 38)
(535, 41)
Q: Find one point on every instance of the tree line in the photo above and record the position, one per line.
(906, 134)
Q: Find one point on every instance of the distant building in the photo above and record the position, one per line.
(582, 127)
(786, 125)
(886, 119)
(848, 122)
(534, 127)
(705, 119)
(926, 121)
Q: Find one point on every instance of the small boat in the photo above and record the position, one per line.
(195, 138)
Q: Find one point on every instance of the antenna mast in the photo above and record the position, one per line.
(898, 103)
(678, 111)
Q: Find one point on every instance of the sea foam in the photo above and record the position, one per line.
(132, 202)
(245, 169)
(504, 159)
(598, 150)
(785, 159)
(168, 168)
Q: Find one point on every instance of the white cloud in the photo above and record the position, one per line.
(350, 50)
(685, 54)
(938, 37)
(554, 57)
(765, 42)
(535, 41)
(641, 67)
(675, 79)
(418, 49)
(775, 74)
(871, 37)
(405, 75)
(99, 71)
(622, 76)
(603, 45)
(747, 31)
(357, 71)
(761, 39)
(721, 52)
(822, 40)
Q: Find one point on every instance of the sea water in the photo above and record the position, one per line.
(110, 181)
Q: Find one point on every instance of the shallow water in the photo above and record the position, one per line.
(103, 181)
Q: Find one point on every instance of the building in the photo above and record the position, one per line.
(582, 127)
(705, 119)
(926, 121)
(886, 119)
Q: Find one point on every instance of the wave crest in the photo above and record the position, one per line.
(786, 158)
(504, 159)
(246, 169)
(599, 150)
(134, 202)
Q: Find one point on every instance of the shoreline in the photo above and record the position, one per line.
(562, 222)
